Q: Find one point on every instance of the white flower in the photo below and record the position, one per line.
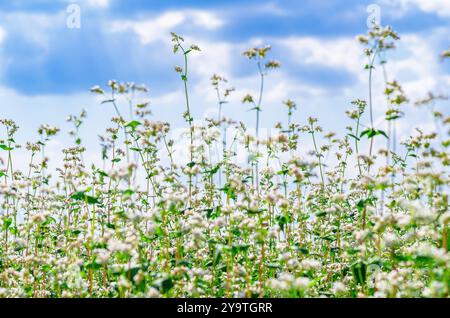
(339, 287)
(390, 240)
(124, 283)
(402, 220)
(419, 211)
(103, 256)
(310, 264)
(138, 277)
(115, 245)
(301, 283)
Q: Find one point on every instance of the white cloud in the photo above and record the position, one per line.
(419, 70)
(415, 63)
(151, 30)
(401, 7)
(2, 34)
(37, 28)
(337, 53)
(215, 57)
(157, 29)
(98, 3)
(273, 9)
(205, 19)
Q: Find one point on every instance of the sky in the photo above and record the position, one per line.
(47, 68)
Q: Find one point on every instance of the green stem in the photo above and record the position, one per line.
(188, 119)
(318, 154)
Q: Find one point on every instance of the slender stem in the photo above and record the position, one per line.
(258, 110)
(189, 120)
(219, 120)
(388, 140)
(356, 144)
(318, 154)
(371, 99)
(124, 129)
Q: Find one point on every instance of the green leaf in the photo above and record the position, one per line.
(321, 213)
(93, 265)
(352, 251)
(239, 248)
(78, 196)
(102, 173)
(190, 164)
(448, 244)
(7, 223)
(48, 221)
(282, 220)
(127, 193)
(255, 211)
(91, 200)
(82, 196)
(359, 271)
(229, 191)
(5, 147)
(393, 117)
(361, 205)
(425, 261)
(353, 136)
(110, 226)
(164, 284)
(380, 132)
(15, 231)
(159, 232)
(217, 254)
(372, 133)
(133, 124)
(302, 250)
(213, 170)
(212, 213)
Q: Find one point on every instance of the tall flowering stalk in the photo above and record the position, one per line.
(291, 106)
(258, 54)
(377, 41)
(356, 115)
(178, 46)
(222, 97)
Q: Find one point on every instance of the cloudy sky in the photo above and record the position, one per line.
(47, 69)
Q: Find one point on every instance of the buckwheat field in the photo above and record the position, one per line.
(348, 219)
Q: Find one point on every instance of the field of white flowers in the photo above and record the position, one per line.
(283, 224)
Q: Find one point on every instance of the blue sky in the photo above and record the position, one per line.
(47, 57)
(46, 69)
